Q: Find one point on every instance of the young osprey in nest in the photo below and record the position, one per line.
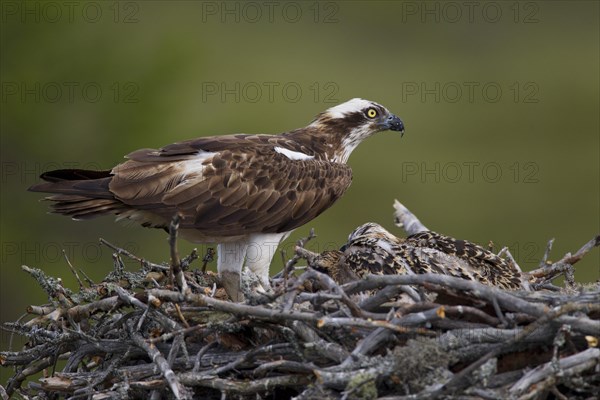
(244, 192)
(373, 250)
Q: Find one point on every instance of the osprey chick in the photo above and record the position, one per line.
(244, 192)
(373, 250)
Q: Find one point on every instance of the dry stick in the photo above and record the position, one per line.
(456, 311)
(317, 298)
(504, 299)
(202, 351)
(387, 294)
(326, 281)
(39, 310)
(284, 365)
(147, 385)
(208, 257)
(546, 253)
(246, 387)
(160, 318)
(31, 369)
(290, 295)
(582, 251)
(181, 317)
(87, 278)
(476, 289)
(330, 350)
(58, 384)
(83, 311)
(89, 388)
(407, 220)
(378, 336)
(78, 313)
(285, 270)
(187, 260)
(170, 335)
(523, 278)
(262, 312)
(246, 357)
(461, 379)
(502, 251)
(130, 299)
(155, 355)
(50, 285)
(178, 343)
(81, 287)
(289, 266)
(391, 326)
(132, 256)
(556, 393)
(176, 273)
(498, 312)
(540, 378)
(549, 272)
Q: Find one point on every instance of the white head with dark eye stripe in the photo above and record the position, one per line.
(353, 121)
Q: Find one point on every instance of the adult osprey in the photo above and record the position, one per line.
(244, 192)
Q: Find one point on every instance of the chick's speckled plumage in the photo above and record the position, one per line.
(373, 250)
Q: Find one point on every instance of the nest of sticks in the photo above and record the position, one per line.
(168, 331)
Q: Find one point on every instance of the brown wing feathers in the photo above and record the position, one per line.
(225, 186)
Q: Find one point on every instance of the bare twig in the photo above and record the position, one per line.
(546, 273)
(208, 257)
(176, 272)
(407, 220)
(73, 271)
(289, 266)
(546, 255)
(178, 390)
(545, 375)
(132, 256)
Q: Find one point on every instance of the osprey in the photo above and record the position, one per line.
(244, 192)
(373, 250)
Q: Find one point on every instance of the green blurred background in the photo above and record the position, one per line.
(500, 102)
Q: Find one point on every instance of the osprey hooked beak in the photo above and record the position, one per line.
(392, 123)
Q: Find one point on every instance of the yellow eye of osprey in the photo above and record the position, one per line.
(371, 113)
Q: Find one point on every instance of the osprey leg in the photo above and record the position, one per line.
(230, 259)
(261, 249)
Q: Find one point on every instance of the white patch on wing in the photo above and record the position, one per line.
(354, 105)
(189, 172)
(194, 165)
(293, 155)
